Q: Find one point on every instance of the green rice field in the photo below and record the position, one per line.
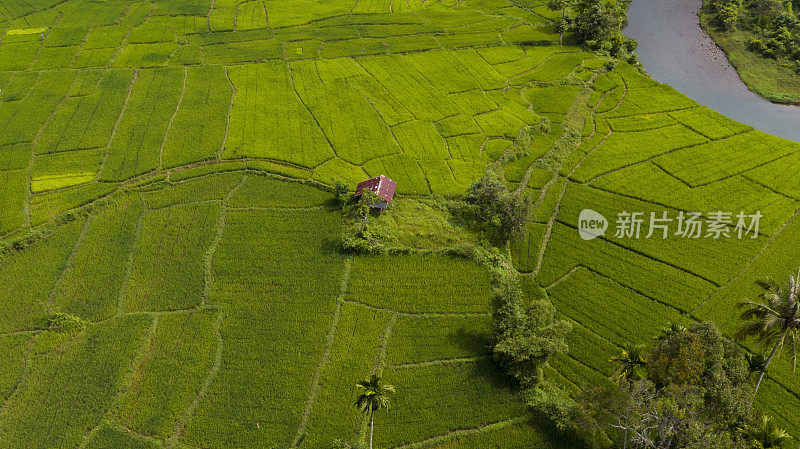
(165, 169)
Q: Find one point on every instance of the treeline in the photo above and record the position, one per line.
(597, 24)
(774, 24)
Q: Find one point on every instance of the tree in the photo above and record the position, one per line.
(563, 6)
(597, 20)
(773, 319)
(493, 205)
(766, 12)
(340, 191)
(701, 357)
(526, 333)
(765, 433)
(631, 368)
(374, 397)
(694, 393)
(670, 330)
(365, 205)
(631, 363)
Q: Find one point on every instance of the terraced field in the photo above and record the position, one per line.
(162, 169)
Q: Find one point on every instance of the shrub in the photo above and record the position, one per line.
(63, 322)
(360, 240)
(340, 192)
(728, 17)
(550, 401)
(756, 45)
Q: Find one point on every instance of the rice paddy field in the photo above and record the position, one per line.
(163, 172)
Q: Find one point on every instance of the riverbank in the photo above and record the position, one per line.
(674, 49)
(765, 77)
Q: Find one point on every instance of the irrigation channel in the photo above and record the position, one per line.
(675, 50)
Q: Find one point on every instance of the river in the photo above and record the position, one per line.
(676, 51)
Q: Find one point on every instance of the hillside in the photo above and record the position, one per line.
(165, 171)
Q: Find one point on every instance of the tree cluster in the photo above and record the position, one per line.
(692, 389)
(526, 333)
(597, 24)
(493, 207)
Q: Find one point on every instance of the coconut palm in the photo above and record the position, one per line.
(631, 363)
(766, 433)
(669, 331)
(773, 319)
(631, 368)
(374, 397)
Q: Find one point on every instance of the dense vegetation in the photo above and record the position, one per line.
(767, 28)
(597, 24)
(172, 271)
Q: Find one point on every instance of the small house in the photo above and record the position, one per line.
(382, 186)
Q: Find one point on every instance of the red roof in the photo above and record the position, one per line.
(381, 185)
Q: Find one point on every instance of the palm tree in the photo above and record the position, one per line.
(773, 319)
(669, 331)
(631, 361)
(766, 432)
(631, 368)
(374, 397)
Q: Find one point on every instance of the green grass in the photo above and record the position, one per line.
(355, 349)
(184, 344)
(200, 119)
(419, 339)
(23, 303)
(146, 149)
(71, 384)
(415, 415)
(52, 182)
(86, 120)
(266, 305)
(135, 145)
(89, 286)
(616, 154)
(601, 304)
(167, 266)
(415, 284)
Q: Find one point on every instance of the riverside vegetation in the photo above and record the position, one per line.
(172, 273)
(762, 40)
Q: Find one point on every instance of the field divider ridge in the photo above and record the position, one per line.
(228, 116)
(174, 439)
(463, 432)
(326, 354)
(127, 383)
(69, 262)
(453, 361)
(208, 257)
(171, 120)
(123, 290)
(557, 208)
(113, 134)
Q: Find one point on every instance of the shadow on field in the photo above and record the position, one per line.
(471, 341)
